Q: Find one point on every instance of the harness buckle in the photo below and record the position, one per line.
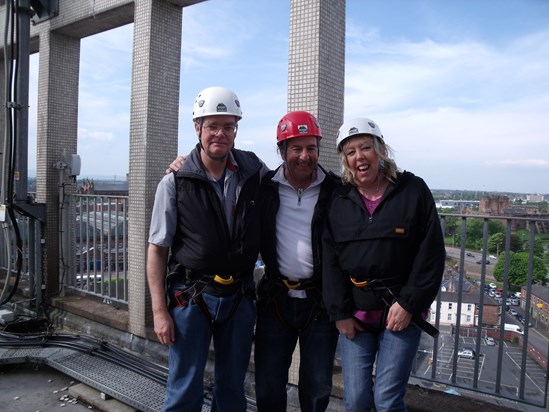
(358, 283)
(223, 281)
(181, 298)
(291, 285)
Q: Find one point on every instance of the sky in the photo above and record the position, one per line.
(460, 89)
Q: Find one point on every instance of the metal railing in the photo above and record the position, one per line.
(99, 262)
(511, 366)
(483, 347)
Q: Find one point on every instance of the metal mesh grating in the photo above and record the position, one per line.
(127, 386)
(121, 383)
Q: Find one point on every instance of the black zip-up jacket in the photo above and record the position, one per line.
(270, 202)
(202, 240)
(400, 246)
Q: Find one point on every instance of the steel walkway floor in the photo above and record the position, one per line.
(132, 388)
(127, 386)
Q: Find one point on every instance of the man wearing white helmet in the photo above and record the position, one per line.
(205, 230)
(382, 264)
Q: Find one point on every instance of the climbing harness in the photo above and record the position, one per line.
(386, 295)
(272, 294)
(196, 283)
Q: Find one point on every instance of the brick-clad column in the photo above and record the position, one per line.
(153, 134)
(316, 68)
(57, 110)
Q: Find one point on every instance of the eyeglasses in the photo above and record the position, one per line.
(227, 130)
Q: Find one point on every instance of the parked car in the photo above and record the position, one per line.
(470, 254)
(513, 312)
(493, 257)
(523, 321)
(490, 341)
(493, 285)
(480, 262)
(468, 353)
(519, 317)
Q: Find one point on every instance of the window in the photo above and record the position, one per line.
(469, 307)
(449, 316)
(449, 306)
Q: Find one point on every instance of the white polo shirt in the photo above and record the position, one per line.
(293, 226)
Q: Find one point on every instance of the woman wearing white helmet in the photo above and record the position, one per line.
(383, 259)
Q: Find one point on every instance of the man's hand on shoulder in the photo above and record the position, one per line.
(176, 164)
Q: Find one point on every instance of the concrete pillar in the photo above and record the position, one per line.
(153, 135)
(316, 68)
(58, 76)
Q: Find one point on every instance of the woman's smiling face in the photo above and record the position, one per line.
(362, 159)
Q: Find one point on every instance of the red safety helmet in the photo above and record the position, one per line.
(297, 124)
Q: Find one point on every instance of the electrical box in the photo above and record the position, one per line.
(74, 166)
(6, 316)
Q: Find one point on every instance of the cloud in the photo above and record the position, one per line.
(462, 95)
(533, 163)
(94, 136)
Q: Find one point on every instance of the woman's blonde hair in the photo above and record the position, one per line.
(387, 166)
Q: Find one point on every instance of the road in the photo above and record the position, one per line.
(472, 268)
(488, 368)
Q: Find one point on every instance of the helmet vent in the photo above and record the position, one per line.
(221, 107)
(303, 129)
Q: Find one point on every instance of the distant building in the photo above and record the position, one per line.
(493, 205)
(470, 303)
(459, 204)
(539, 303)
(522, 211)
(535, 198)
(104, 187)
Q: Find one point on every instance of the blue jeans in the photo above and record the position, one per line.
(188, 355)
(395, 352)
(274, 346)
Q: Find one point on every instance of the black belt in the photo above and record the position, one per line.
(380, 289)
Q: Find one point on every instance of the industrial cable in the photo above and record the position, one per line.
(10, 144)
(93, 347)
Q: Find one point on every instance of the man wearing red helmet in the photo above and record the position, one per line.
(293, 203)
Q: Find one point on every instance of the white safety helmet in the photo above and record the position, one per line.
(356, 127)
(216, 101)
